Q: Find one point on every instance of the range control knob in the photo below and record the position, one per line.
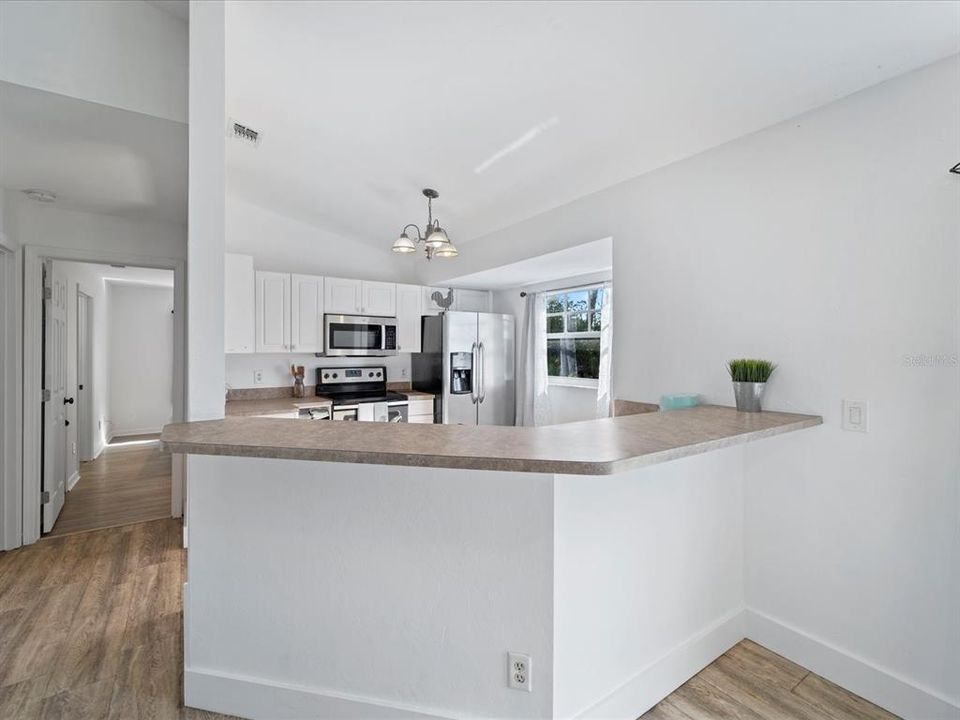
(334, 374)
(326, 376)
(378, 373)
(369, 374)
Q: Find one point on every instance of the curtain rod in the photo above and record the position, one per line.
(523, 293)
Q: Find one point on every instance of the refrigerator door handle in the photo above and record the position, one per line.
(475, 375)
(482, 392)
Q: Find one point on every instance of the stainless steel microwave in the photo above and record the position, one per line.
(358, 335)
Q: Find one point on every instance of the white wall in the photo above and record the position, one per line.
(829, 244)
(129, 55)
(354, 598)
(283, 244)
(207, 188)
(141, 358)
(34, 223)
(648, 579)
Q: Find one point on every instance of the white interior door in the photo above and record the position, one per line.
(54, 479)
(306, 319)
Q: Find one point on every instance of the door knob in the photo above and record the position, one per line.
(68, 401)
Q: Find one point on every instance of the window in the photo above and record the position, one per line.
(573, 336)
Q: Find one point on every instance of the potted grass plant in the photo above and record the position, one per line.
(749, 379)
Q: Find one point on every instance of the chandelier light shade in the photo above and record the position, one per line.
(434, 238)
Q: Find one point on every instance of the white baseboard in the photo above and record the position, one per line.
(260, 699)
(663, 676)
(126, 432)
(73, 480)
(878, 685)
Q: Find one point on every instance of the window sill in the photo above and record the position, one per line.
(584, 383)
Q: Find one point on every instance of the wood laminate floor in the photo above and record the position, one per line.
(91, 627)
(749, 682)
(128, 483)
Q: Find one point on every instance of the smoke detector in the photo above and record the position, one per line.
(44, 196)
(244, 133)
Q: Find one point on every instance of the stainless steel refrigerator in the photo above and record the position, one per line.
(467, 362)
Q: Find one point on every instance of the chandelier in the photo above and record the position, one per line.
(434, 238)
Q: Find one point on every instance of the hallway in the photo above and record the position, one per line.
(128, 483)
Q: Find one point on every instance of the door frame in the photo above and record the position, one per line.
(11, 396)
(33, 257)
(85, 443)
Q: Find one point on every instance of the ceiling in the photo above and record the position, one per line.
(95, 158)
(586, 259)
(511, 109)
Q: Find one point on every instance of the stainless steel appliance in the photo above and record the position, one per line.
(360, 394)
(467, 362)
(359, 335)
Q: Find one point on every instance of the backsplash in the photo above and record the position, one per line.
(275, 369)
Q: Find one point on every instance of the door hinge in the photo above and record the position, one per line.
(44, 497)
(44, 396)
(48, 293)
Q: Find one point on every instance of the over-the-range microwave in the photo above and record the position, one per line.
(359, 335)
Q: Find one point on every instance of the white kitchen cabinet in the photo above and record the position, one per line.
(430, 307)
(379, 298)
(306, 313)
(272, 312)
(342, 296)
(471, 300)
(345, 296)
(239, 303)
(420, 411)
(409, 310)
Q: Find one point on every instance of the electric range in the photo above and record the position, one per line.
(360, 393)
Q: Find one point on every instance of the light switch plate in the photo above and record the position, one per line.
(854, 415)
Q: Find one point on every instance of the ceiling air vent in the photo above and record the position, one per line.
(243, 133)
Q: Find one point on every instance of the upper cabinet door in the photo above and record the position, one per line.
(379, 298)
(273, 312)
(306, 313)
(239, 292)
(471, 300)
(342, 296)
(409, 304)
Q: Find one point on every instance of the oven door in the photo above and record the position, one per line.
(354, 335)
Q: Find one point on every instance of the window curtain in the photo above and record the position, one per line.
(604, 385)
(533, 403)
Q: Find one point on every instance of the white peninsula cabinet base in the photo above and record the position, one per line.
(334, 590)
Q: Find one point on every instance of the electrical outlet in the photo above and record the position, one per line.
(518, 667)
(73, 448)
(403, 372)
(258, 377)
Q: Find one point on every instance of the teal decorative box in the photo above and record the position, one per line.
(679, 401)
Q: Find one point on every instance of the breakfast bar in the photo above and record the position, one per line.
(390, 570)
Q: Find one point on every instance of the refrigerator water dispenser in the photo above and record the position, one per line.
(461, 373)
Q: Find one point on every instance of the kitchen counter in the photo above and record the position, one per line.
(592, 447)
(273, 406)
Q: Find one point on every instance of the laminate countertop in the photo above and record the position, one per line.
(272, 406)
(592, 447)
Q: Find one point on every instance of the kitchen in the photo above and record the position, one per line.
(356, 341)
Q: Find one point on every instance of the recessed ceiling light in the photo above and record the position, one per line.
(44, 196)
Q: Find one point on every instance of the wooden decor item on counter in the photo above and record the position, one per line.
(298, 373)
